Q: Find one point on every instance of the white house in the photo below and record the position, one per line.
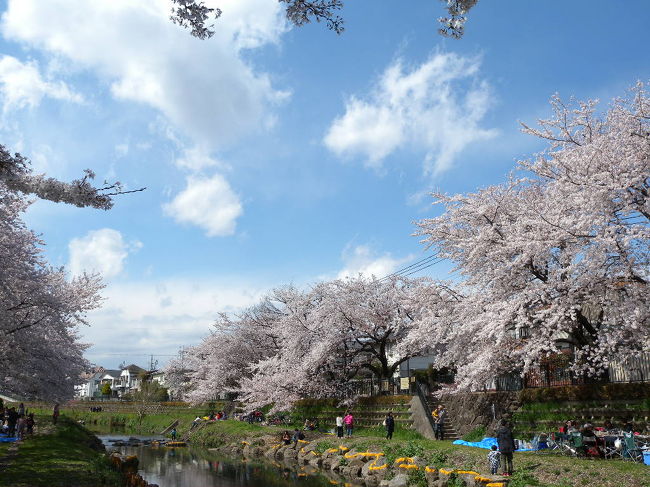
(130, 379)
(111, 377)
(157, 376)
(91, 386)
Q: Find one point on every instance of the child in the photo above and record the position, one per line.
(494, 459)
(297, 436)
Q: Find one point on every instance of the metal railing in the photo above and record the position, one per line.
(425, 404)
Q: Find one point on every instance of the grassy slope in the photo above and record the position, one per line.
(61, 455)
(532, 469)
(151, 424)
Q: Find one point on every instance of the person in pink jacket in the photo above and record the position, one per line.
(348, 420)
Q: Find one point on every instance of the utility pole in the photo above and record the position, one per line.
(181, 354)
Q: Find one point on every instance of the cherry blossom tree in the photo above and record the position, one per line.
(454, 25)
(40, 353)
(558, 254)
(343, 330)
(198, 18)
(309, 343)
(17, 175)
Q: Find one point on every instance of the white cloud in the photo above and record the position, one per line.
(363, 260)
(204, 88)
(156, 317)
(208, 203)
(22, 85)
(196, 159)
(436, 107)
(102, 251)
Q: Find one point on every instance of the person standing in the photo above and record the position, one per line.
(439, 415)
(20, 427)
(55, 413)
(506, 444)
(442, 417)
(339, 426)
(12, 419)
(349, 424)
(389, 422)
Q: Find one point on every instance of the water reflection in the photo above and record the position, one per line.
(196, 467)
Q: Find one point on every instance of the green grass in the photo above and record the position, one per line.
(150, 424)
(219, 433)
(477, 434)
(380, 432)
(66, 455)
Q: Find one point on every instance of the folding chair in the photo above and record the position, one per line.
(577, 444)
(630, 448)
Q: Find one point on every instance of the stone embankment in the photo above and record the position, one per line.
(360, 467)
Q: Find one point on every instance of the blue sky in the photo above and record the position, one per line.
(273, 154)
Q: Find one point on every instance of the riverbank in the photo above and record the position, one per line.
(531, 469)
(61, 455)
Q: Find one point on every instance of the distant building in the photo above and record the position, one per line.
(91, 386)
(130, 379)
(122, 381)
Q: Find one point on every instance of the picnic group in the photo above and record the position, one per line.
(15, 423)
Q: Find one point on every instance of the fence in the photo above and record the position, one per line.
(375, 387)
(633, 369)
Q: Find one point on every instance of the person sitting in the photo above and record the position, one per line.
(286, 437)
(570, 427)
(608, 426)
(628, 427)
(588, 430)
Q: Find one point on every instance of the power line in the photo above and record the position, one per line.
(404, 269)
(425, 267)
(415, 267)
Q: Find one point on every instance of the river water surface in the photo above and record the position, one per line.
(199, 467)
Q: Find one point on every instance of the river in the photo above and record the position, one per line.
(199, 467)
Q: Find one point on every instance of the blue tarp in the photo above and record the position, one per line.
(4, 439)
(485, 443)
